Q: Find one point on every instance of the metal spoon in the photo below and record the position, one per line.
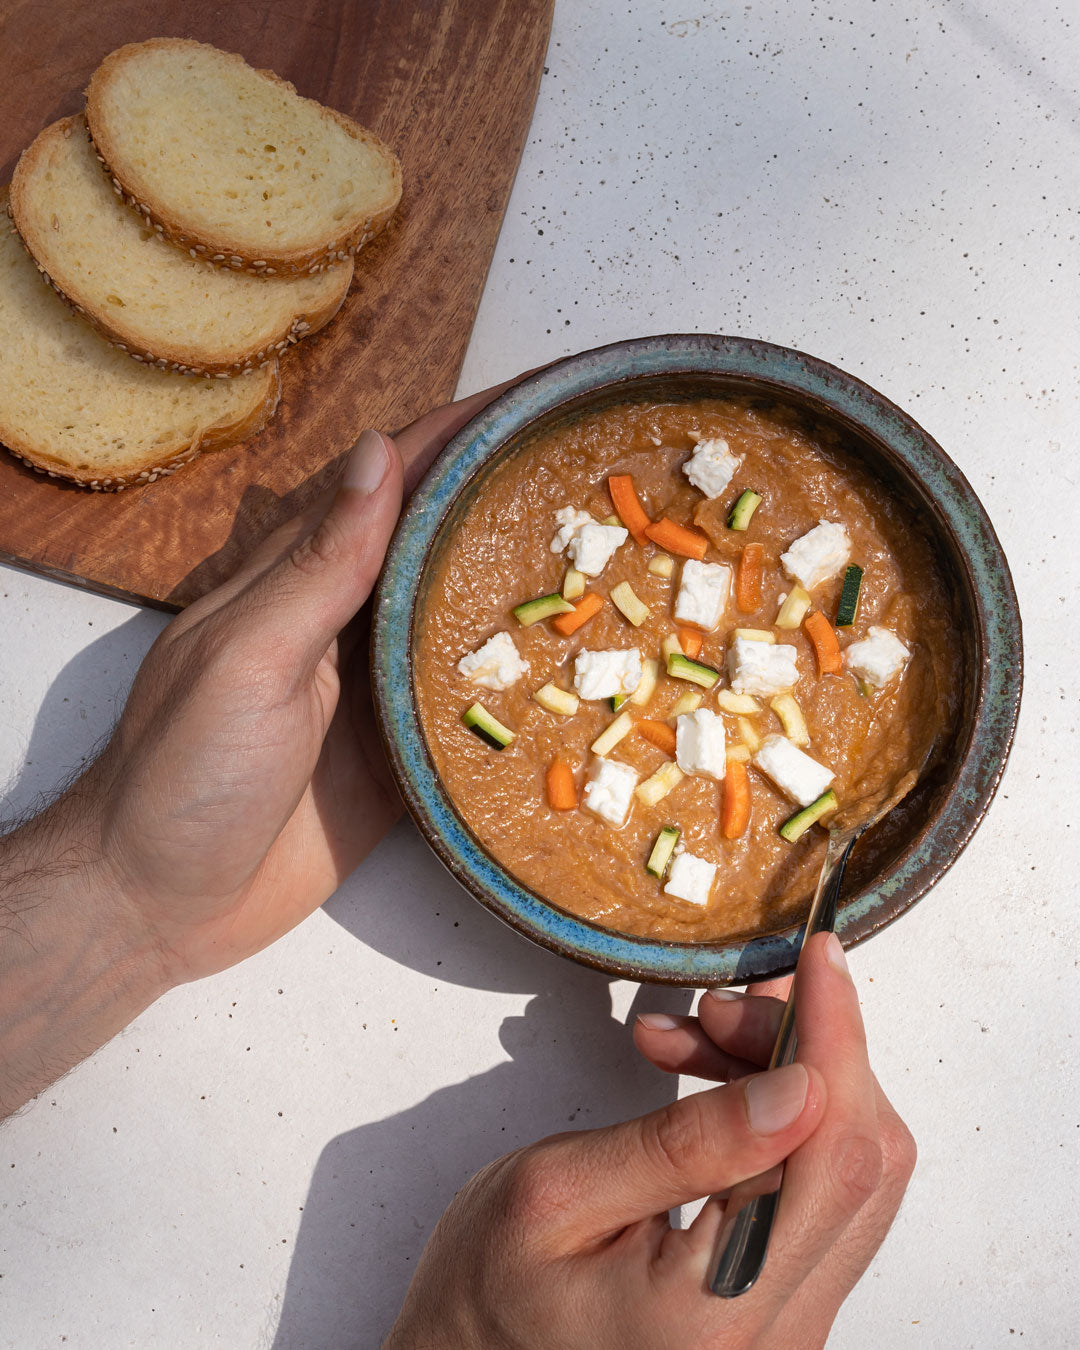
(744, 1242)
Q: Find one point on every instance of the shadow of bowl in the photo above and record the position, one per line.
(902, 858)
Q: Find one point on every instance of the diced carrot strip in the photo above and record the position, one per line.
(586, 608)
(735, 805)
(690, 640)
(821, 633)
(658, 734)
(629, 508)
(561, 789)
(678, 539)
(748, 580)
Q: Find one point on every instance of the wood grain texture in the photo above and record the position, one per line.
(450, 85)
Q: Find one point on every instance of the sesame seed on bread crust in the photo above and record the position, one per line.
(233, 164)
(73, 406)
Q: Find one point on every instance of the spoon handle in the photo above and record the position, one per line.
(744, 1242)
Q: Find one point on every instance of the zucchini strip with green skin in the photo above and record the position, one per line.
(682, 668)
(661, 853)
(743, 510)
(848, 607)
(796, 826)
(543, 607)
(488, 728)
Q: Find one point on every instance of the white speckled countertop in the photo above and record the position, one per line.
(891, 185)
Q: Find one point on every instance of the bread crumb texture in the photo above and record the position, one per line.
(72, 405)
(233, 162)
(161, 304)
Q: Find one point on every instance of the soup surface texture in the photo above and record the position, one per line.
(866, 735)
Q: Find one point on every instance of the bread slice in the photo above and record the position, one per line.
(74, 406)
(232, 163)
(154, 300)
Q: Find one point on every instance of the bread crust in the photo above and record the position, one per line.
(165, 460)
(228, 253)
(141, 346)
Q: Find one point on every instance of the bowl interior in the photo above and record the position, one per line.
(897, 861)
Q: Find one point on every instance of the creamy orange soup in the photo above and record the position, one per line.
(859, 727)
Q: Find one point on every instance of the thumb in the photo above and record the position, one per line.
(313, 588)
(700, 1145)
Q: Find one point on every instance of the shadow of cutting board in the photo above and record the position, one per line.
(450, 85)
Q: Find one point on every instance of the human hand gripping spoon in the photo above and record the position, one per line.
(744, 1241)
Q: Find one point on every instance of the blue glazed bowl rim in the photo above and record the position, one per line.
(794, 377)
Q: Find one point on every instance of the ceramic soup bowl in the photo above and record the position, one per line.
(900, 859)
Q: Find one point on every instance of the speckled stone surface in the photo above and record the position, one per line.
(892, 187)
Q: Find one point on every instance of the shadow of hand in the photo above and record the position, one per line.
(378, 1190)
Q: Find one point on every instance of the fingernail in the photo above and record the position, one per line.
(724, 995)
(776, 1098)
(658, 1021)
(834, 954)
(368, 463)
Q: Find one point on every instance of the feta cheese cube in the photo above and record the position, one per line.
(821, 553)
(691, 878)
(704, 589)
(605, 674)
(495, 665)
(761, 667)
(569, 521)
(609, 787)
(792, 770)
(700, 745)
(593, 545)
(712, 466)
(877, 658)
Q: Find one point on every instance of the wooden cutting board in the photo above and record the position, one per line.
(450, 85)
